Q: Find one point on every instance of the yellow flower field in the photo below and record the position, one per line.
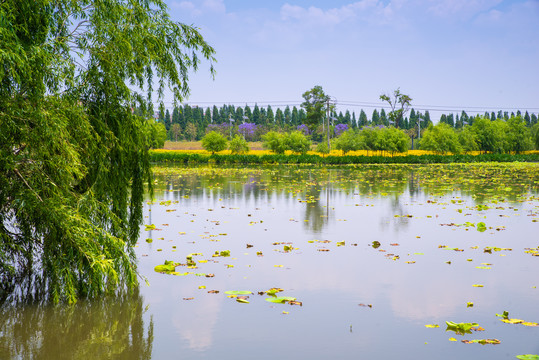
(332, 153)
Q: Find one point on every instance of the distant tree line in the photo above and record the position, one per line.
(192, 123)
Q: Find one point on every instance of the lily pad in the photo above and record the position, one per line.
(482, 341)
(238, 292)
(460, 328)
(273, 291)
(481, 227)
(168, 267)
(528, 357)
(281, 299)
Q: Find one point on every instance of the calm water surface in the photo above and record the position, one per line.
(359, 301)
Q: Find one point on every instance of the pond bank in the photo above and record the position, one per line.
(187, 157)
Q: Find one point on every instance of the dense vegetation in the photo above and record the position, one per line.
(192, 123)
(182, 157)
(73, 154)
(484, 135)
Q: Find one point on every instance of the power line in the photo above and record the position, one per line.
(363, 104)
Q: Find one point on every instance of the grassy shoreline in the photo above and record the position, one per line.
(334, 158)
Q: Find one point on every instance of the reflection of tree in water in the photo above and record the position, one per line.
(387, 181)
(315, 214)
(108, 328)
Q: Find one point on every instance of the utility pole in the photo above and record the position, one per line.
(327, 108)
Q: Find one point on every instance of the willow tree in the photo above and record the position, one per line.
(73, 154)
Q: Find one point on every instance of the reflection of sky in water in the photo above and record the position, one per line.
(403, 213)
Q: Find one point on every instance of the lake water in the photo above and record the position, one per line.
(372, 254)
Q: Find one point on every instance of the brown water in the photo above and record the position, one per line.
(357, 300)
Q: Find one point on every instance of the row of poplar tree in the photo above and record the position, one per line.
(187, 122)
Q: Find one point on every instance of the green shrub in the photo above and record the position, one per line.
(297, 142)
(535, 135)
(274, 141)
(195, 158)
(440, 138)
(155, 133)
(468, 139)
(214, 142)
(349, 141)
(519, 137)
(238, 145)
(392, 140)
(322, 147)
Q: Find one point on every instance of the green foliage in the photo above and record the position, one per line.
(441, 138)
(238, 145)
(535, 135)
(349, 141)
(315, 105)
(214, 142)
(519, 137)
(322, 147)
(392, 140)
(468, 139)
(274, 141)
(398, 99)
(73, 155)
(297, 142)
(156, 134)
(195, 158)
(490, 135)
(370, 138)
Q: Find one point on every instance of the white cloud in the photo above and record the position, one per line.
(198, 7)
(317, 16)
(461, 9)
(214, 5)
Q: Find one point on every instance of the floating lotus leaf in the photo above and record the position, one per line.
(482, 341)
(238, 292)
(281, 299)
(460, 328)
(481, 227)
(168, 267)
(273, 291)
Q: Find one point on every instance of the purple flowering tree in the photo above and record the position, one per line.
(340, 128)
(247, 130)
(304, 129)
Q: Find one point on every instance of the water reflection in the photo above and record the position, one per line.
(110, 328)
(332, 216)
(315, 188)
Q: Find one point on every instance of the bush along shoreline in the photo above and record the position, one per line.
(182, 157)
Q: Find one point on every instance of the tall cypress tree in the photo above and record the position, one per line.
(270, 116)
(383, 118)
(287, 116)
(363, 121)
(375, 117)
(256, 115)
(295, 121)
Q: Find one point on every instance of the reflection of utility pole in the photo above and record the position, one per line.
(150, 216)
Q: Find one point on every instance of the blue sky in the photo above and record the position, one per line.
(446, 54)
